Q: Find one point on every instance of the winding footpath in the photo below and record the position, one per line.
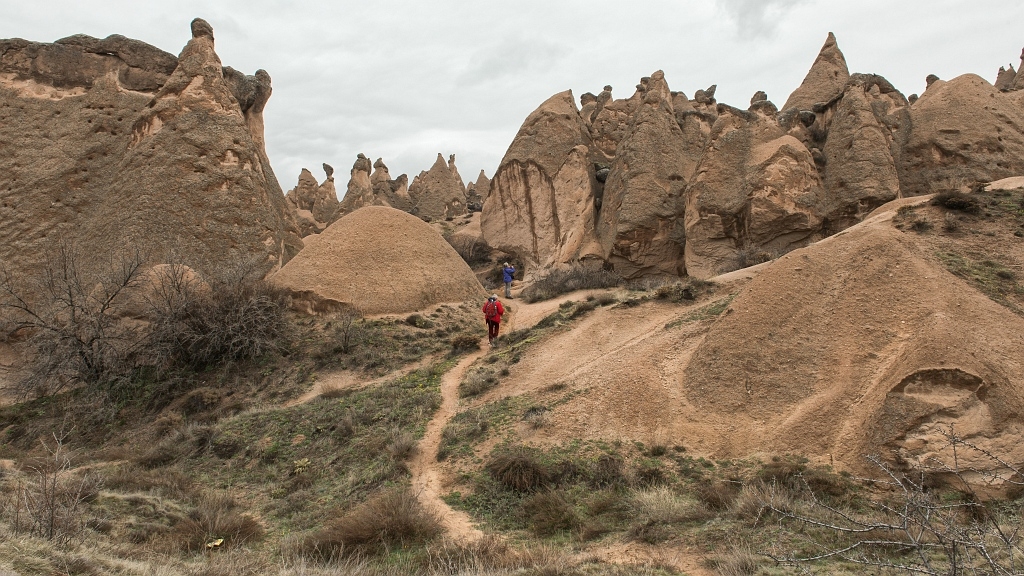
(426, 474)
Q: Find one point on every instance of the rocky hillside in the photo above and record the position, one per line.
(113, 143)
(667, 185)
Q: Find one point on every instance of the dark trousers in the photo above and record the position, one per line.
(492, 330)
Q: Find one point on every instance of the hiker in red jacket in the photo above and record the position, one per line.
(493, 311)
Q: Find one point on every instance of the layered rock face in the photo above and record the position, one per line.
(542, 200)
(661, 184)
(113, 143)
(962, 131)
(438, 193)
(315, 205)
(639, 226)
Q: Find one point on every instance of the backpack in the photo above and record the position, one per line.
(491, 309)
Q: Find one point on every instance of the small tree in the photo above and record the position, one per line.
(919, 531)
(68, 315)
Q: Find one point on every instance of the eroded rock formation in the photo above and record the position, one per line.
(438, 193)
(315, 205)
(660, 184)
(113, 143)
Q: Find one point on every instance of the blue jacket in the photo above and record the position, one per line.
(508, 273)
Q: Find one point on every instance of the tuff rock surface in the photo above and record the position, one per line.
(661, 184)
(315, 205)
(438, 193)
(112, 143)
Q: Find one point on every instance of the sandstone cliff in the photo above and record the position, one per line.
(113, 143)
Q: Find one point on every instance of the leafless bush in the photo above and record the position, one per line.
(549, 513)
(50, 503)
(563, 281)
(518, 469)
(752, 255)
(919, 530)
(473, 250)
(69, 316)
(238, 315)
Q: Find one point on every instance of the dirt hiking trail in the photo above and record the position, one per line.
(427, 481)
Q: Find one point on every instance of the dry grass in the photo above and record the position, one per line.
(663, 506)
(737, 562)
(549, 513)
(395, 517)
(216, 517)
(519, 470)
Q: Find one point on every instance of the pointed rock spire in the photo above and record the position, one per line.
(824, 81)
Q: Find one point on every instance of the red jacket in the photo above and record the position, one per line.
(493, 311)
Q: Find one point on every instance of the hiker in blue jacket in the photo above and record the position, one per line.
(508, 272)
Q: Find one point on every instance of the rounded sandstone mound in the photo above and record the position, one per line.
(381, 261)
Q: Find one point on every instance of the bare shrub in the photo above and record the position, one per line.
(464, 342)
(750, 255)
(563, 281)
(473, 250)
(69, 315)
(919, 530)
(717, 495)
(395, 517)
(402, 445)
(518, 469)
(50, 503)
(477, 382)
(955, 200)
(216, 518)
(549, 513)
(608, 471)
(238, 316)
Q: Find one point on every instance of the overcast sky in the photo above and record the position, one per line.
(404, 80)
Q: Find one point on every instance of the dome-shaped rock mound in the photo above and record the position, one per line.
(381, 261)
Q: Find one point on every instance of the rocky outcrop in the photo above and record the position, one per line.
(541, 206)
(315, 205)
(438, 193)
(388, 192)
(755, 188)
(476, 192)
(112, 143)
(359, 192)
(1005, 79)
(961, 132)
(640, 225)
(863, 137)
(825, 81)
